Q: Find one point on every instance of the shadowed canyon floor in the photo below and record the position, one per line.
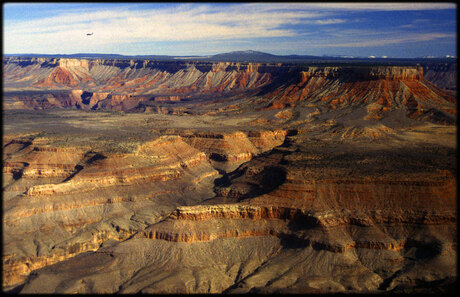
(173, 177)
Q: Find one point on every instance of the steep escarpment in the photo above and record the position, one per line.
(78, 199)
(227, 151)
(139, 76)
(380, 90)
(133, 176)
(314, 231)
(443, 75)
(177, 87)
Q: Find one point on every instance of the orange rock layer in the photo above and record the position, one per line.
(199, 223)
(90, 188)
(131, 84)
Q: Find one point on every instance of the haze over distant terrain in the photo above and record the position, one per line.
(350, 29)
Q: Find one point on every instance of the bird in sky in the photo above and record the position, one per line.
(89, 34)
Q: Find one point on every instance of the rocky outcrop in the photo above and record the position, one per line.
(380, 89)
(87, 189)
(42, 162)
(229, 150)
(364, 73)
(211, 222)
(328, 180)
(300, 230)
(139, 76)
(17, 269)
(167, 98)
(142, 86)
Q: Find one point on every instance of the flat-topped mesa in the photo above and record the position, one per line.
(392, 72)
(397, 72)
(228, 150)
(160, 160)
(142, 85)
(128, 77)
(365, 72)
(380, 88)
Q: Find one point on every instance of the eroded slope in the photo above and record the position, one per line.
(332, 221)
(226, 177)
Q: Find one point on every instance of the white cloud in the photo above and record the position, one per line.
(115, 28)
(185, 22)
(329, 21)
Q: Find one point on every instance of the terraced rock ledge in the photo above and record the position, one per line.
(137, 176)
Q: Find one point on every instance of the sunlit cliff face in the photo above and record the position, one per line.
(126, 176)
(138, 85)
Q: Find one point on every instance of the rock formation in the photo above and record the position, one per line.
(442, 75)
(133, 176)
(137, 85)
(82, 188)
(227, 151)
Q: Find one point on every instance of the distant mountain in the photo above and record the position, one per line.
(256, 56)
(243, 56)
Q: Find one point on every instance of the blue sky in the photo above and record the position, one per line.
(403, 29)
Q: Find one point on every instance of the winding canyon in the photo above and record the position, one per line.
(139, 176)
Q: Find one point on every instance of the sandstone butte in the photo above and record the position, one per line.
(133, 176)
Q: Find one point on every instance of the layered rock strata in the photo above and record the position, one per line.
(299, 226)
(442, 75)
(139, 76)
(89, 191)
(328, 180)
(380, 89)
(141, 85)
(227, 151)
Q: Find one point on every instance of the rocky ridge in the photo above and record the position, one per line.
(95, 183)
(379, 228)
(138, 85)
(266, 178)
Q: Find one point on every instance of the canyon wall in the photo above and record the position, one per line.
(81, 189)
(313, 231)
(139, 77)
(177, 87)
(227, 178)
(442, 75)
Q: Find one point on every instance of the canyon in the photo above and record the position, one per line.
(143, 176)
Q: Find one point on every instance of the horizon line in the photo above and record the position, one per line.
(344, 56)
